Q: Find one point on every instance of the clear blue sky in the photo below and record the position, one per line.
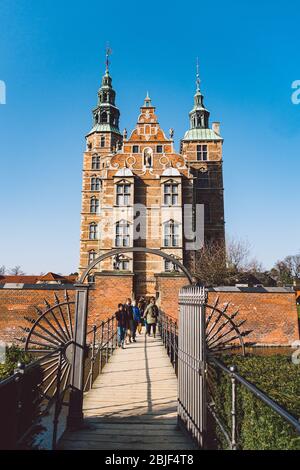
(52, 60)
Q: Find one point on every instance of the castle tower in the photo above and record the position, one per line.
(135, 188)
(202, 148)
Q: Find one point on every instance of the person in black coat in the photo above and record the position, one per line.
(130, 321)
(122, 322)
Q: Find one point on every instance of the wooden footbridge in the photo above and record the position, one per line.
(133, 403)
(157, 394)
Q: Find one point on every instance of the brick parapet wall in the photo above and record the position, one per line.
(271, 316)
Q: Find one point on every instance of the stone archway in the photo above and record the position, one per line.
(120, 251)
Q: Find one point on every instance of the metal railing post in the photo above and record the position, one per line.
(107, 338)
(233, 408)
(93, 356)
(18, 373)
(101, 347)
(57, 400)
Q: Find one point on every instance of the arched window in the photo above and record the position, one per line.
(170, 194)
(93, 231)
(123, 194)
(94, 205)
(95, 183)
(95, 162)
(171, 234)
(122, 234)
(92, 256)
(104, 117)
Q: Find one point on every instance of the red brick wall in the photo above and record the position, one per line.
(272, 317)
(17, 303)
(168, 288)
(109, 290)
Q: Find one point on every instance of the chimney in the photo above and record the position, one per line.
(216, 127)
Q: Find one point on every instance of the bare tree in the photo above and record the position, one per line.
(293, 263)
(211, 264)
(16, 271)
(237, 254)
(219, 266)
(2, 270)
(287, 271)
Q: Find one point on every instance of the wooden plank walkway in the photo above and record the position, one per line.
(133, 403)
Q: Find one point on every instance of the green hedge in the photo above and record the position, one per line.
(259, 428)
(14, 354)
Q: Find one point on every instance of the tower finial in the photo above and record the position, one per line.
(108, 53)
(197, 75)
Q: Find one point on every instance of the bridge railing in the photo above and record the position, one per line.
(169, 331)
(37, 394)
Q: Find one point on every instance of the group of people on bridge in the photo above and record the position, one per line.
(132, 316)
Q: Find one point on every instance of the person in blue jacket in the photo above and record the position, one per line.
(137, 320)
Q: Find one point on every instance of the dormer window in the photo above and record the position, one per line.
(135, 149)
(202, 153)
(159, 149)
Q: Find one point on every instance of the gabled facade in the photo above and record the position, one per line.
(136, 188)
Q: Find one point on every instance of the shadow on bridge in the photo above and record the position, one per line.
(133, 403)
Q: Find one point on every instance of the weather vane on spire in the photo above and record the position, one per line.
(197, 75)
(108, 53)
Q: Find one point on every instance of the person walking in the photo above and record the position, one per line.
(151, 315)
(142, 307)
(122, 324)
(130, 322)
(136, 318)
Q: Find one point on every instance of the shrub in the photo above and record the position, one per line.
(259, 428)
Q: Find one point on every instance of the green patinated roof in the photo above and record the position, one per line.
(201, 134)
(104, 128)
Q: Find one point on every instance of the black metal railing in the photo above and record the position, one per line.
(37, 391)
(168, 328)
(103, 341)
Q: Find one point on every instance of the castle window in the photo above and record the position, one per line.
(92, 256)
(95, 162)
(93, 231)
(170, 266)
(122, 234)
(171, 194)
(104, 117)
(202, 152)
(135, 149)
(121, 263)
(94, 205)
(123, 194)
(102, 141)
(159, 149)
(171, 234)
(95, 183)
(91, 279)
